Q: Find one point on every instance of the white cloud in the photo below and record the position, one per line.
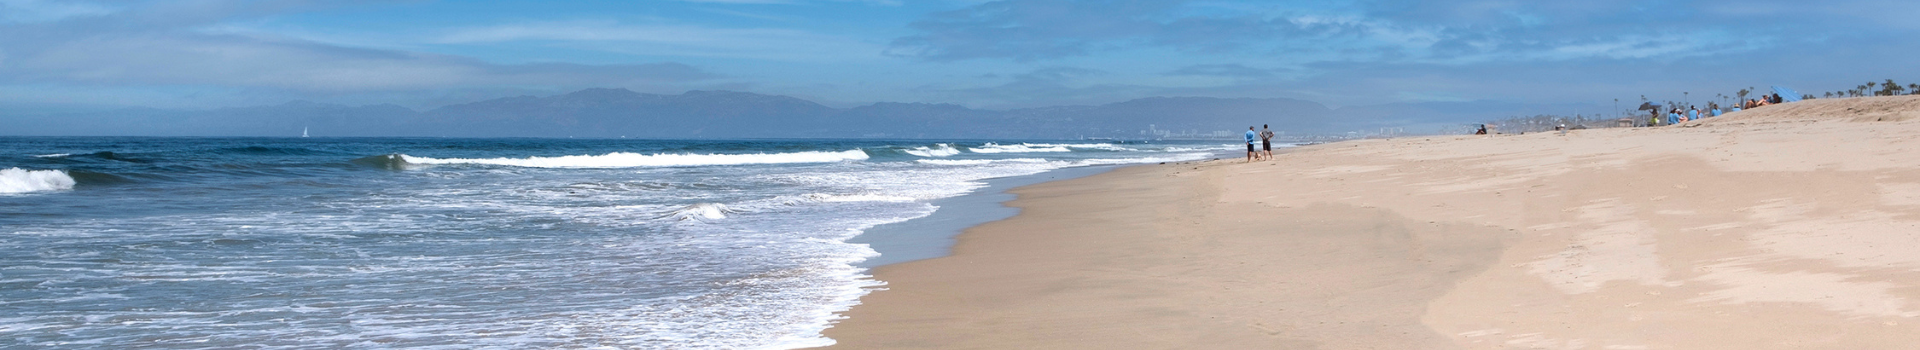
(676, 40)
(298, 65)
(32, 11)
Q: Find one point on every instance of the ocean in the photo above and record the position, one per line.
(325, 243)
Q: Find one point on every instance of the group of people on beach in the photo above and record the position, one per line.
(1679, 115)
(1266, 144)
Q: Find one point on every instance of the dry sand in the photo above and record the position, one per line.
(1793, 226)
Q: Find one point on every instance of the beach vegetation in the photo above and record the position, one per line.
(1890, 88)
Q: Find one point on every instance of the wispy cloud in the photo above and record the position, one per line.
(1229, 70)
(674, 40)
(49, 10)
(234, 61)
(1381, 31)
(169, 45)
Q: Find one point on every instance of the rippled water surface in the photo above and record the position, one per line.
(452, 243)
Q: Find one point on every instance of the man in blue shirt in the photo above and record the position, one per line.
(1250, 137)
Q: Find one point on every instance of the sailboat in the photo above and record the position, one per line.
(303, 131)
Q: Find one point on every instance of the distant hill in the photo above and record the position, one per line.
(728, 114)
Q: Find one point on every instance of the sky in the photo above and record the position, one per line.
(197, 54)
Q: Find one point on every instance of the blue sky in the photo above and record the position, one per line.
(983, 54)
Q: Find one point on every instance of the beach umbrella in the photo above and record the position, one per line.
(1649, 106)
(1786, 95)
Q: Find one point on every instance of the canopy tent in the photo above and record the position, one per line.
(1786, 95)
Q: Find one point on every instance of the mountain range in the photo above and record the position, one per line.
(607, 113)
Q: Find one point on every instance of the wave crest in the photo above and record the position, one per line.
(1020, 148)
(939, 150)
(17, 180)
(635, 160)
(702, 211)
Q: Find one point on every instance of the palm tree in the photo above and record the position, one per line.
(1829, 95)
(1869, 88)
(1914, 89)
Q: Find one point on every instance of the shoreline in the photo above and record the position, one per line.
(1783, 227)
(933, 235)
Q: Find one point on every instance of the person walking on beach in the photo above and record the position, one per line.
(1266, 142)
(1250, 153)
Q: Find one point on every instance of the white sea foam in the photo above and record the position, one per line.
(1213, 148)
(702, 211)
(753, 260)
(55, 155)
(1141, 160)
(1020, 148)
(865, 198)
(940, 150)
(632, 160)
(17, 180)
(1050, 164)
(1099, 146)
(979, 161)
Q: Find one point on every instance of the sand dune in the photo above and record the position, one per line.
(1790, 226)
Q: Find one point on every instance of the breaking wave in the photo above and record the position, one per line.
(702, 211)
(633, 160)
(940, 150)
(1098, 146)
(979, 161)
(17, 180)
(1020, 148)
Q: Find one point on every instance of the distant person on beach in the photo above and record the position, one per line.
(1250, 136)
(1673, 116)
(1266, 142)
(1693, 114)
(1715, 107)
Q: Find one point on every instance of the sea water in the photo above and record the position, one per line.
(467, 243)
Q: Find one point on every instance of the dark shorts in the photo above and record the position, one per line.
(1266, 145)
(1249, 147)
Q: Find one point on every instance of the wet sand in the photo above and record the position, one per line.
(1790, 226)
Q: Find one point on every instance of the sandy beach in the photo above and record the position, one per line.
(1790, 226)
